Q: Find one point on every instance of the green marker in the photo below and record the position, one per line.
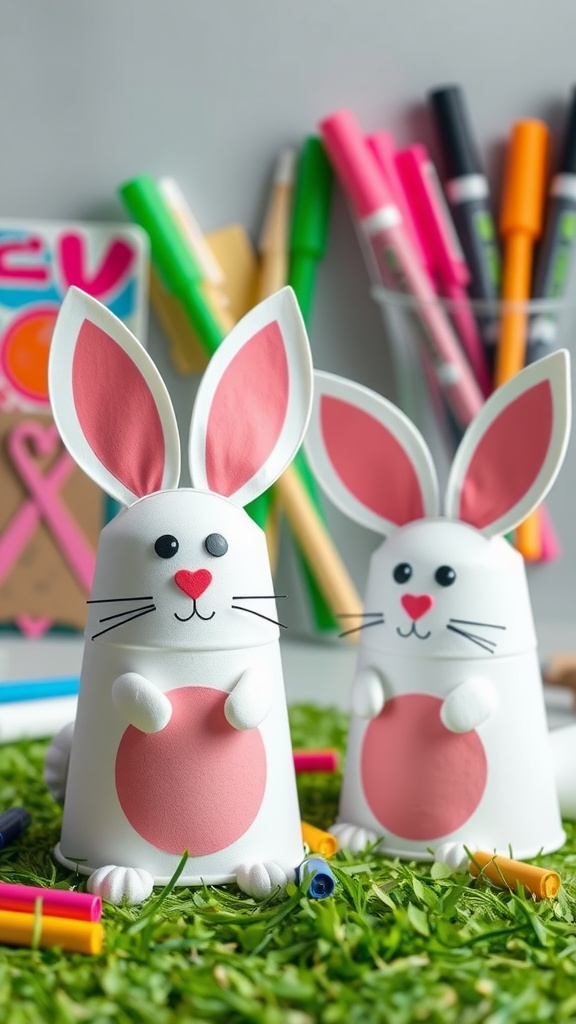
(181, 276)
(310, 219)
(171, 256)
(308, 239)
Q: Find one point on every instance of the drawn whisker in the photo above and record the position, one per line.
(359, 615)
(468, 622)
(487, 645)
(109, 600)
(257, 597)
(365, 625)
(129, 611)
(259, 614)
(146, 611)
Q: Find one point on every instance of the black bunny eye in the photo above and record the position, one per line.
(216, 544)
(402, 572)
(166, 546)
(445, 575)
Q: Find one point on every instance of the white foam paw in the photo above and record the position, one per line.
(121, 885)
(352, 837)
(57, 761)
(453, 855)
(260, 880)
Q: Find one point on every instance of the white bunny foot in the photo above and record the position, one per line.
(57, 761)
(118, 884)
(352, 837)
(260, 880)
(454, 856)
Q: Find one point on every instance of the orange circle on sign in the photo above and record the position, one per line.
(25, 348)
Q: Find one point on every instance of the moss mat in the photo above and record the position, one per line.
(396, 943)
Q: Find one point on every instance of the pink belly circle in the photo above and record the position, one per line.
(198, 784)
(421, 781)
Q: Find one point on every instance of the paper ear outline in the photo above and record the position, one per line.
(77, 307)
(555, 369)
(282, 307)
(396, 422)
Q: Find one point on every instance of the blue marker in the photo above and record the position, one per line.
(12, 824)
(38, 689)
(321, 881)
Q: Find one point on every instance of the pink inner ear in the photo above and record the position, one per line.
(370, 462)
(248, 412)
(508, 458)
(117, 412)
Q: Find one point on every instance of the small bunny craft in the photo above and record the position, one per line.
(181, 742)
(448, 743)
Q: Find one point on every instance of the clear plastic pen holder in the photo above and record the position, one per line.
(540, 325)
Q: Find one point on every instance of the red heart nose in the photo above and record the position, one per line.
(193, 583)
(416, 605)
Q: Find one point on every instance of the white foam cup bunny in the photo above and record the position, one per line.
(181, 741)
(448, 742)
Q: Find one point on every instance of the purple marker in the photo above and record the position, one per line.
(12, 824)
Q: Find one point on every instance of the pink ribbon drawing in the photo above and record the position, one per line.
(43, 504)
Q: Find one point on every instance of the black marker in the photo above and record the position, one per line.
(468, 194)
(558, 244)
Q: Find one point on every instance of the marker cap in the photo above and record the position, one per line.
(525, 179)
(170, 253)
(461, 156)
(318, 876)
(354, 163)
(567, 163)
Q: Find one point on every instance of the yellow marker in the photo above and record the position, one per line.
(318, 547)
(275, 237)
(43, 931)
(273, 275)
(319, 841)
(539, 882)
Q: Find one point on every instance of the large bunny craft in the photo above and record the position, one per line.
(181, 741)
(448, 745)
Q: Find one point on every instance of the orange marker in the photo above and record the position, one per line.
(319, 841)
(502, 871)
(521, 219)
(521, 222)
(39, 930)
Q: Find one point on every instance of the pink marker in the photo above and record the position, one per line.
(315, 760)
(82, 906)
(397, 263)
(382, 146)
(438, 237)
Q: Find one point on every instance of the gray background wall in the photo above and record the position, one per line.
(94, 93)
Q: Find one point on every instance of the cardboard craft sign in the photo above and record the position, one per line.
(50, 520)
(51, 514)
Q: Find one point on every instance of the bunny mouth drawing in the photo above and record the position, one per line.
(194, 584)
(415, 605)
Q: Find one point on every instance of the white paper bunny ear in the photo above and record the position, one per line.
(512, 451)
(253, 403)
(369, 457)
(109, 402)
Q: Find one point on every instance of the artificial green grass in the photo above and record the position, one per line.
(396, 943)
